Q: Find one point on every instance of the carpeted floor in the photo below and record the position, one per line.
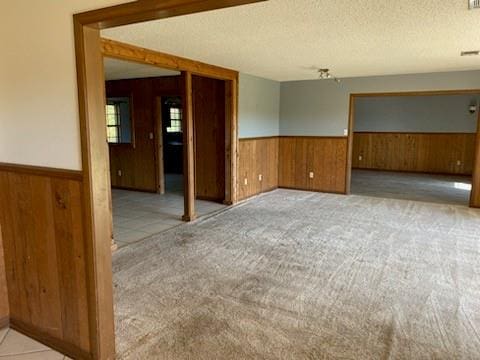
(445, 189)
(299, 275)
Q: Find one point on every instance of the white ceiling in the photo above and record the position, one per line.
(284, 39)
(119, 69)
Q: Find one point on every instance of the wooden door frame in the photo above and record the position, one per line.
(94, 148)
(159, 146)
(475, 193)
(122, 51)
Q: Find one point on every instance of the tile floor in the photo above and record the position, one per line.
(15, 346)
(137, 215)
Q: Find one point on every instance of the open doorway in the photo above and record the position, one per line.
(414, 146)
(144, 119)
(170, 151)
(91, 50)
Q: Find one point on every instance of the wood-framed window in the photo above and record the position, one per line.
(175, 114)
(118, 120)
(114, 132)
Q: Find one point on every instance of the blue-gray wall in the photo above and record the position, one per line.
(445, 113)
(319, 107)
(259, 107)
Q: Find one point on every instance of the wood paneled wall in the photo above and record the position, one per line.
(326, 157)
(42, 223)
(208, 96)
(4, 308)
(257, 156)
(138, 163)
(445, 153)
(287, 161)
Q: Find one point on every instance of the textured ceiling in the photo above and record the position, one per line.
(119, 69)
(285, 39)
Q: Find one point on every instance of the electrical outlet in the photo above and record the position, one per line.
(360, 158)
(245, 181)
(119, 172)
(260, 177)
(311, 174)
(459, 163)
(345, 132)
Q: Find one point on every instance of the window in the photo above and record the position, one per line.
(175, 120)
(113, 123)
(118, 121)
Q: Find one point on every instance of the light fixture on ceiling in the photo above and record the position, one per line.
(473, 4)
(324, 74)
(470, 53)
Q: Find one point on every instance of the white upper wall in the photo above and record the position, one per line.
(259, 107)
(38, 94)
(320, 107)
(441, 113)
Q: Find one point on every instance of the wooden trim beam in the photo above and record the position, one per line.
(258, 138)
(148, 10)
(412, 132)
(42, 171)
(291, 137)
(418, 93)
(188, 150)
(310, 137)
(123, 51)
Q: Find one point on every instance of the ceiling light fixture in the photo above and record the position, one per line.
(324, 74)
(473, 4)
(470, 53)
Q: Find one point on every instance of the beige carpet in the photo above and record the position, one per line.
(444, 189)
(298, 275)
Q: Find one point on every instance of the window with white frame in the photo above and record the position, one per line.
(175, 114)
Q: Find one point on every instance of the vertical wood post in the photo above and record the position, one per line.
(188, 149)
(96, 192)
(475, 194)
(231, 141)
(348, 170)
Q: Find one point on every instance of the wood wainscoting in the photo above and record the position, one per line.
(287, 161)
(257, 166)
(325, 157)
(42, 224)
(441, 153)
